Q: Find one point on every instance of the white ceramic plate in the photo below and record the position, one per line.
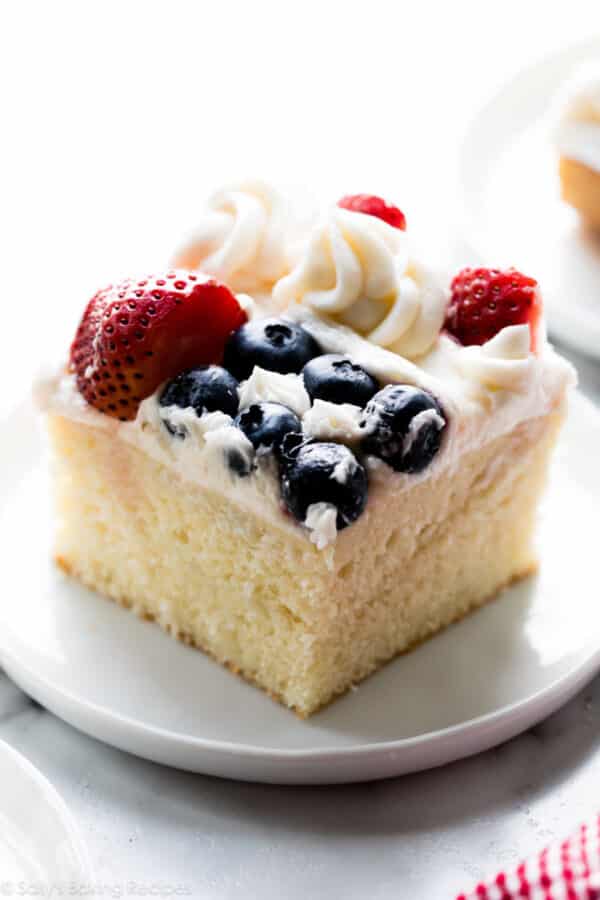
(39, 844)
(508, 170)
(126, 682)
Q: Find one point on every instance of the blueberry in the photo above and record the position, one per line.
(337, 379)
(266, 424)
(404, 427)
(315, 472)
(238, 462)
(205, 389)
(273, 344)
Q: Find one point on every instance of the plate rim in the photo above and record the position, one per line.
(592, 663)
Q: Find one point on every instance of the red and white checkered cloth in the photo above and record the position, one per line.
(567, 871)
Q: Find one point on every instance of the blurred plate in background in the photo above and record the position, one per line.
(39, 845)
(508, 171)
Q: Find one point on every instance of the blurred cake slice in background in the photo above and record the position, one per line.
(577, 134)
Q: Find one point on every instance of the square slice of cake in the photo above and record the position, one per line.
(305, 496)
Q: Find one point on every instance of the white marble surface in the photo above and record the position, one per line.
(427, 835)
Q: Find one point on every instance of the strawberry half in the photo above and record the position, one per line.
(372, 205)
(484, 301)
(137, 334)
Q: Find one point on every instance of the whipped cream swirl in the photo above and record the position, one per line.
(502, 363)
(241, 238)
(359, 271)
(275, 387)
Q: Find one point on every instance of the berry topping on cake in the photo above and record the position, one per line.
(314, 472)
(404, 427)
(372, 205)
(266, 424)
(273, 344)
(136, 334)
(337, 379)
(238, 462)
(204, 389)
(484, 301)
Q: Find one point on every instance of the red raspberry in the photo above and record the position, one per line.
(137, 334)
(483, 301)
(374, 206)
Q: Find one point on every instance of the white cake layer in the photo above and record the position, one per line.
(304, 624)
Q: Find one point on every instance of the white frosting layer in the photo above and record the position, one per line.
(577, 116)
(263, 385)
(504, 363)
(333, 422)
(321, 522)
(359, 289)
(359, 271)
(241, 238)
(484, 392)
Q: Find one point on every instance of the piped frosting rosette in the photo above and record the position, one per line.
(241, 237)
(359, 271)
